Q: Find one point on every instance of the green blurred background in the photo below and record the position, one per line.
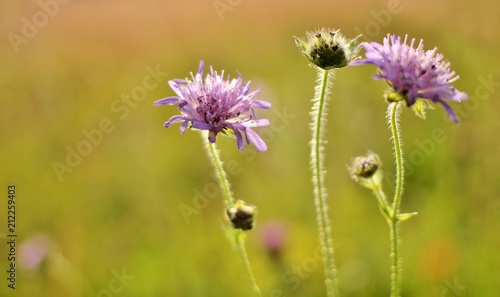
(112, 222)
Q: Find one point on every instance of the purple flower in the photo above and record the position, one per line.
(273, 236)
(217, 105)
(413, 72)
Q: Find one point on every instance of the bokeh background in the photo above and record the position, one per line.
(139, 214)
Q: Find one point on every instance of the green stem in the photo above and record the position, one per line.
(219, 169)
(319, 119)
(395, 270)
(393, 112)
(240, 242)
(382, 200)
(213, 153)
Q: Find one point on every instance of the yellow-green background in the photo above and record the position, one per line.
(119, 208)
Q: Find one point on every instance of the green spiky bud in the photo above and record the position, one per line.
(328, 49)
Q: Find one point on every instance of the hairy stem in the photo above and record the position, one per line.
(393, 113)
(382, 200)
(240, 242)
(395, 269)
(319, 119)
(213, 154)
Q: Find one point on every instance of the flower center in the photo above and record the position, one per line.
(213, 111)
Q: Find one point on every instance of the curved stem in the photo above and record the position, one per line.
(213, 154)
(393, 112)
(240, 242)
(382, 200)
(319, 118)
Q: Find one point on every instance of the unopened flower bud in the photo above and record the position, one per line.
(328, 49)
(366, 170)
(366, 166)
(241, 215)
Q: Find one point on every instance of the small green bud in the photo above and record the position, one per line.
(328, 49)
(241, 215)
(365, 166)
(366, 169)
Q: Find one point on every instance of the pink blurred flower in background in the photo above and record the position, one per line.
(34, 251)
(272, 237)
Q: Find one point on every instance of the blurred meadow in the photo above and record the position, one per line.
(138, 213)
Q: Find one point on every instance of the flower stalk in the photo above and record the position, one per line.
(216, 105)
(326, 50)
(319, 113)
(366, 170)
(416, 78)
(393, 112)
(214, 156)
(240, 243)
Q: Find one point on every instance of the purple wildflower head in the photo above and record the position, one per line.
(217, 105)
(412, 72)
